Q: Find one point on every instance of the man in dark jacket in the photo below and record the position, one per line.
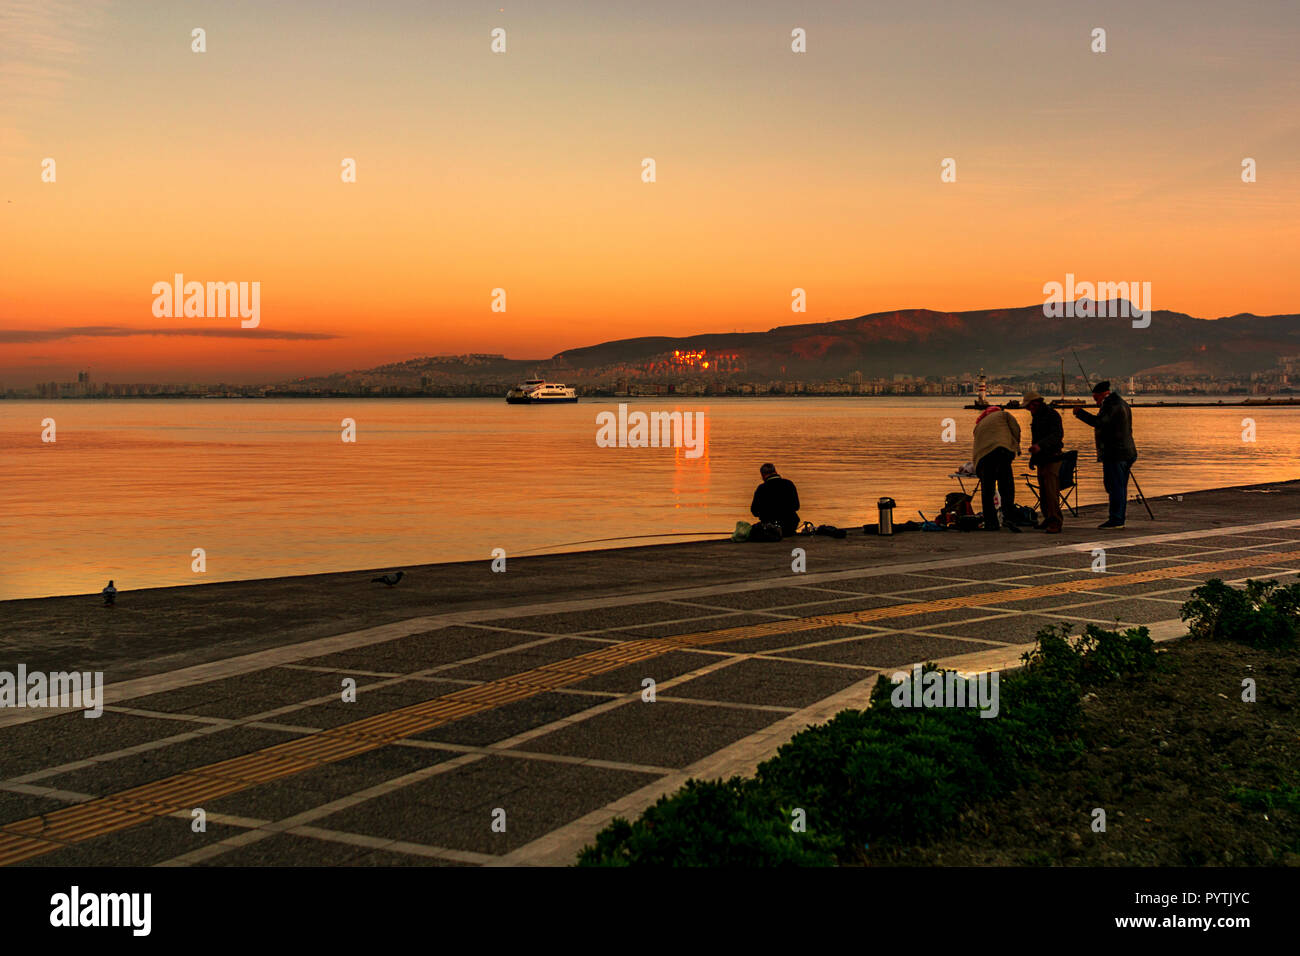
(776, 499)
(1048, 438)
(1113, 429)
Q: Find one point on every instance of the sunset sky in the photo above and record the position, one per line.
(522, 170)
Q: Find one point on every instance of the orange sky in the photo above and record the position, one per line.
(522, 171)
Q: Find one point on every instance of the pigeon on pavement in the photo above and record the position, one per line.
(389, 579)
(110, 594)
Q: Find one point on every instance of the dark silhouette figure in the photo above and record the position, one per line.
(389, 579)
(110, 595)
(1113, 430)
(776, 499)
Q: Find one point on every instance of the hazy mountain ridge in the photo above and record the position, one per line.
(1002, 341)
(918, 342)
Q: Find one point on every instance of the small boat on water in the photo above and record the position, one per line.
(538, 391)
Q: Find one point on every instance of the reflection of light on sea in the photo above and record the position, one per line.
(691, 476)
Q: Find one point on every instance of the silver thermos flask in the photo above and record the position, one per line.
(886, 523)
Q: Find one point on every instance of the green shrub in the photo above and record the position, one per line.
(1112, 655)
(1097, 656)
(883, 774)
(710, 823)
(1263, 614)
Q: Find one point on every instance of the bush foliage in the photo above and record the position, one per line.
(1264, 614)
(882, 774)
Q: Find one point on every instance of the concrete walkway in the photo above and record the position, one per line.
(526, 706)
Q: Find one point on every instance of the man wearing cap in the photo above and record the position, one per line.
(1048, 438)
(1113, 429)
(776, 499)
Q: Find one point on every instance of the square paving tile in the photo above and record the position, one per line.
(20, 806)
(928, 618)
(770, 642)
(1066, 561)
(886, 583)
(769, 597)
(421, 651)
(1237, 574)
(768, 682)
(1127, 611)
(517, 662)
(1011, 629)
(1230, 554)
(248, 694)
(455, 809)
(145, 844)
(504, 722)
(1233, 540)
(369, 702)
(890, 649)
(1025, 574)
(661, 734)
(691, 627)
(627, 680)
(574, 622)
(141, 768)
(1048, 602)
(287, 849)
(953, 589)
(64, 738)
(1144, 587)
(1172, 549)
(387, 858)
(313, 788)
(1117, 564)
(845, 605)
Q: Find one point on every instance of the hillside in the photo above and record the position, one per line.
(919, 342)
(1002, 341)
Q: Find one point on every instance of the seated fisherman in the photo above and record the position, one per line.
(776, 499)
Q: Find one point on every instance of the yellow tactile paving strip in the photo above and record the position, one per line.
(25, 839)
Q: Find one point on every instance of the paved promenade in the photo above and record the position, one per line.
(500, 718)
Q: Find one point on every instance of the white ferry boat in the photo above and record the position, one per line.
(537, 391)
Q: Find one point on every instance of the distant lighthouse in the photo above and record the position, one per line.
(982, 393)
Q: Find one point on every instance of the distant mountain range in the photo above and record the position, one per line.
(1002, 341)
(920, 342)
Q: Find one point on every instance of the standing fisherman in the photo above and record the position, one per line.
(997, 444)
(1048, 438)
(1113, 429)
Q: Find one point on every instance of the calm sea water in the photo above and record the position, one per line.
(268, 488)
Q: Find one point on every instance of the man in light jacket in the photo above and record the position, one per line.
(997, 445)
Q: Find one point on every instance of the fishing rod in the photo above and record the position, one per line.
(1087, 381)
